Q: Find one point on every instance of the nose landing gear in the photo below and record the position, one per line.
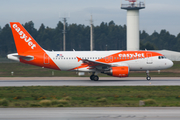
(148, 77)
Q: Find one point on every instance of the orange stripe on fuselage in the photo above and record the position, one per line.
(127, 56)
(122, 57)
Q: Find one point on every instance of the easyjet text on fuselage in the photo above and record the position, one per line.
(132, 55)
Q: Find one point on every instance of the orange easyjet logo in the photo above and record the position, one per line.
(24, 37)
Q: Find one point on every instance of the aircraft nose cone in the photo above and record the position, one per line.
(170, 63)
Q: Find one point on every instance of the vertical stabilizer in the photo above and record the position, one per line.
(23, 40)
(29, 51)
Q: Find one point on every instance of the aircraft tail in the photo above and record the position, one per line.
(29, 51)
(23, 40)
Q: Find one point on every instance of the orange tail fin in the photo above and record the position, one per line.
(28, 49)
(23, 40)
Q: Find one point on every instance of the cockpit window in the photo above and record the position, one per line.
(162, 57)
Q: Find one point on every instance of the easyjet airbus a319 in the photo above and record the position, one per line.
(114, 63)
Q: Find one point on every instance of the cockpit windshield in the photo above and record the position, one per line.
(162, 57)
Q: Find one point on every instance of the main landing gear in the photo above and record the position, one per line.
(148, 77)
(94, 77)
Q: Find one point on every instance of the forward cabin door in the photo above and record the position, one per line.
(149, 58)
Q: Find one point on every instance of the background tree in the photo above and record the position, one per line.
(108, 36)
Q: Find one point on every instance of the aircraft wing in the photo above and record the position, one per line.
(96, 64)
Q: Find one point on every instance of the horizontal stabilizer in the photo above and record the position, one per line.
(17, 57)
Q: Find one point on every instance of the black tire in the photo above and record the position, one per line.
(92, 77)
(148, 78)
(96, 78)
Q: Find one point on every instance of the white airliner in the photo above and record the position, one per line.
(114, 63)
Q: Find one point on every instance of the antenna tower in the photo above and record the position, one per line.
(91, 35)
(64, 34)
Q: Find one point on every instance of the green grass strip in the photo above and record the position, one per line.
(79, 96)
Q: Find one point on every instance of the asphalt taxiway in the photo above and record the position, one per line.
(84, 81)
(100, 113)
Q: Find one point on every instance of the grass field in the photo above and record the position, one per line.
(25, 70)
(156, 96)
(79, 96)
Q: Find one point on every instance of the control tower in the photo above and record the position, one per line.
(133, 8)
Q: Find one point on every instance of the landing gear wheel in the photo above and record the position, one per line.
(96, 78)
(148, 78)
(92, 77)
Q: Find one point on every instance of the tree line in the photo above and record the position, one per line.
(107, 36)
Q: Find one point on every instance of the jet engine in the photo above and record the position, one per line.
(121, 71)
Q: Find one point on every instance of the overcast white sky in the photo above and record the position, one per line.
(158, 15)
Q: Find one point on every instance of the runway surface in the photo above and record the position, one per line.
(84, 81)
(104, 113)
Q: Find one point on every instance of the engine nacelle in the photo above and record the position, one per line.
(122, 71)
